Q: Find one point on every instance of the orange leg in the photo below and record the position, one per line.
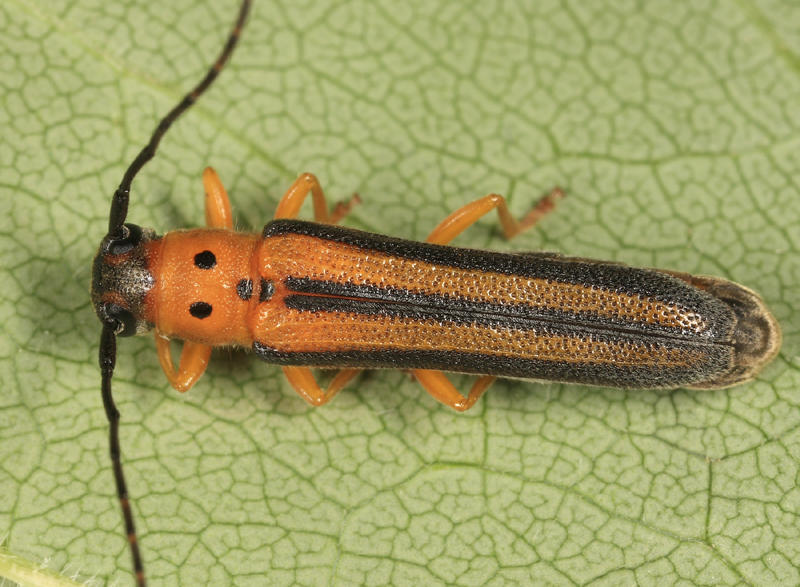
(194, 356)
(218, 206)
(466, 216)
(305, 384)
(436, 383)
(194, 360)
(290, 203)
(301, 378)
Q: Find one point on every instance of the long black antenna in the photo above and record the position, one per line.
(119, 205)
(111, 326)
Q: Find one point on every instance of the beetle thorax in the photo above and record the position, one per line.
(204, 286)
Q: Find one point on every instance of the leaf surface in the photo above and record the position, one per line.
(672, 126)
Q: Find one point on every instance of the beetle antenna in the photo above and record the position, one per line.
(108, 337)
(108, 358)
(119, 203)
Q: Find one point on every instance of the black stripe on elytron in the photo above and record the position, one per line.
(329, 296)
(459, 362)
(610, 276)
(416, 312)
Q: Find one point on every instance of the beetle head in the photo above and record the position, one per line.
(121, 278)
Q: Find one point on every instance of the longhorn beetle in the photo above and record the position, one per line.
(312, 294)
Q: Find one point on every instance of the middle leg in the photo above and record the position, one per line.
(302, 379)
(290, 203)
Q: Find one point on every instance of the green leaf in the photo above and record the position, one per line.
(674, 129)
(26, 572)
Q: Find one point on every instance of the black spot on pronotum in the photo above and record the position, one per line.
(267, 289)
(200, 310)
(244, 289)
(205, 260)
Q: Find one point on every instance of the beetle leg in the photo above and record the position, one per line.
(194, 356)
(439, 386)
(305, 384)
(466, 216)
(193, 363)
(290, 203)
(436, 383)
(218, 206)
(301, 378)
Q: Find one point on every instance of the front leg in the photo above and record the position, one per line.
(195, 356)
(218, 206)
(194, 360)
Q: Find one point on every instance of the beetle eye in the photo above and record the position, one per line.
(129, 237)
(121, 319)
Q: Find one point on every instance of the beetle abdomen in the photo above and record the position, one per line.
(348, 298)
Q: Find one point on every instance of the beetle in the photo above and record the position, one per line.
(313, 294)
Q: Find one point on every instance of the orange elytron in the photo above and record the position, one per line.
(313, 294)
